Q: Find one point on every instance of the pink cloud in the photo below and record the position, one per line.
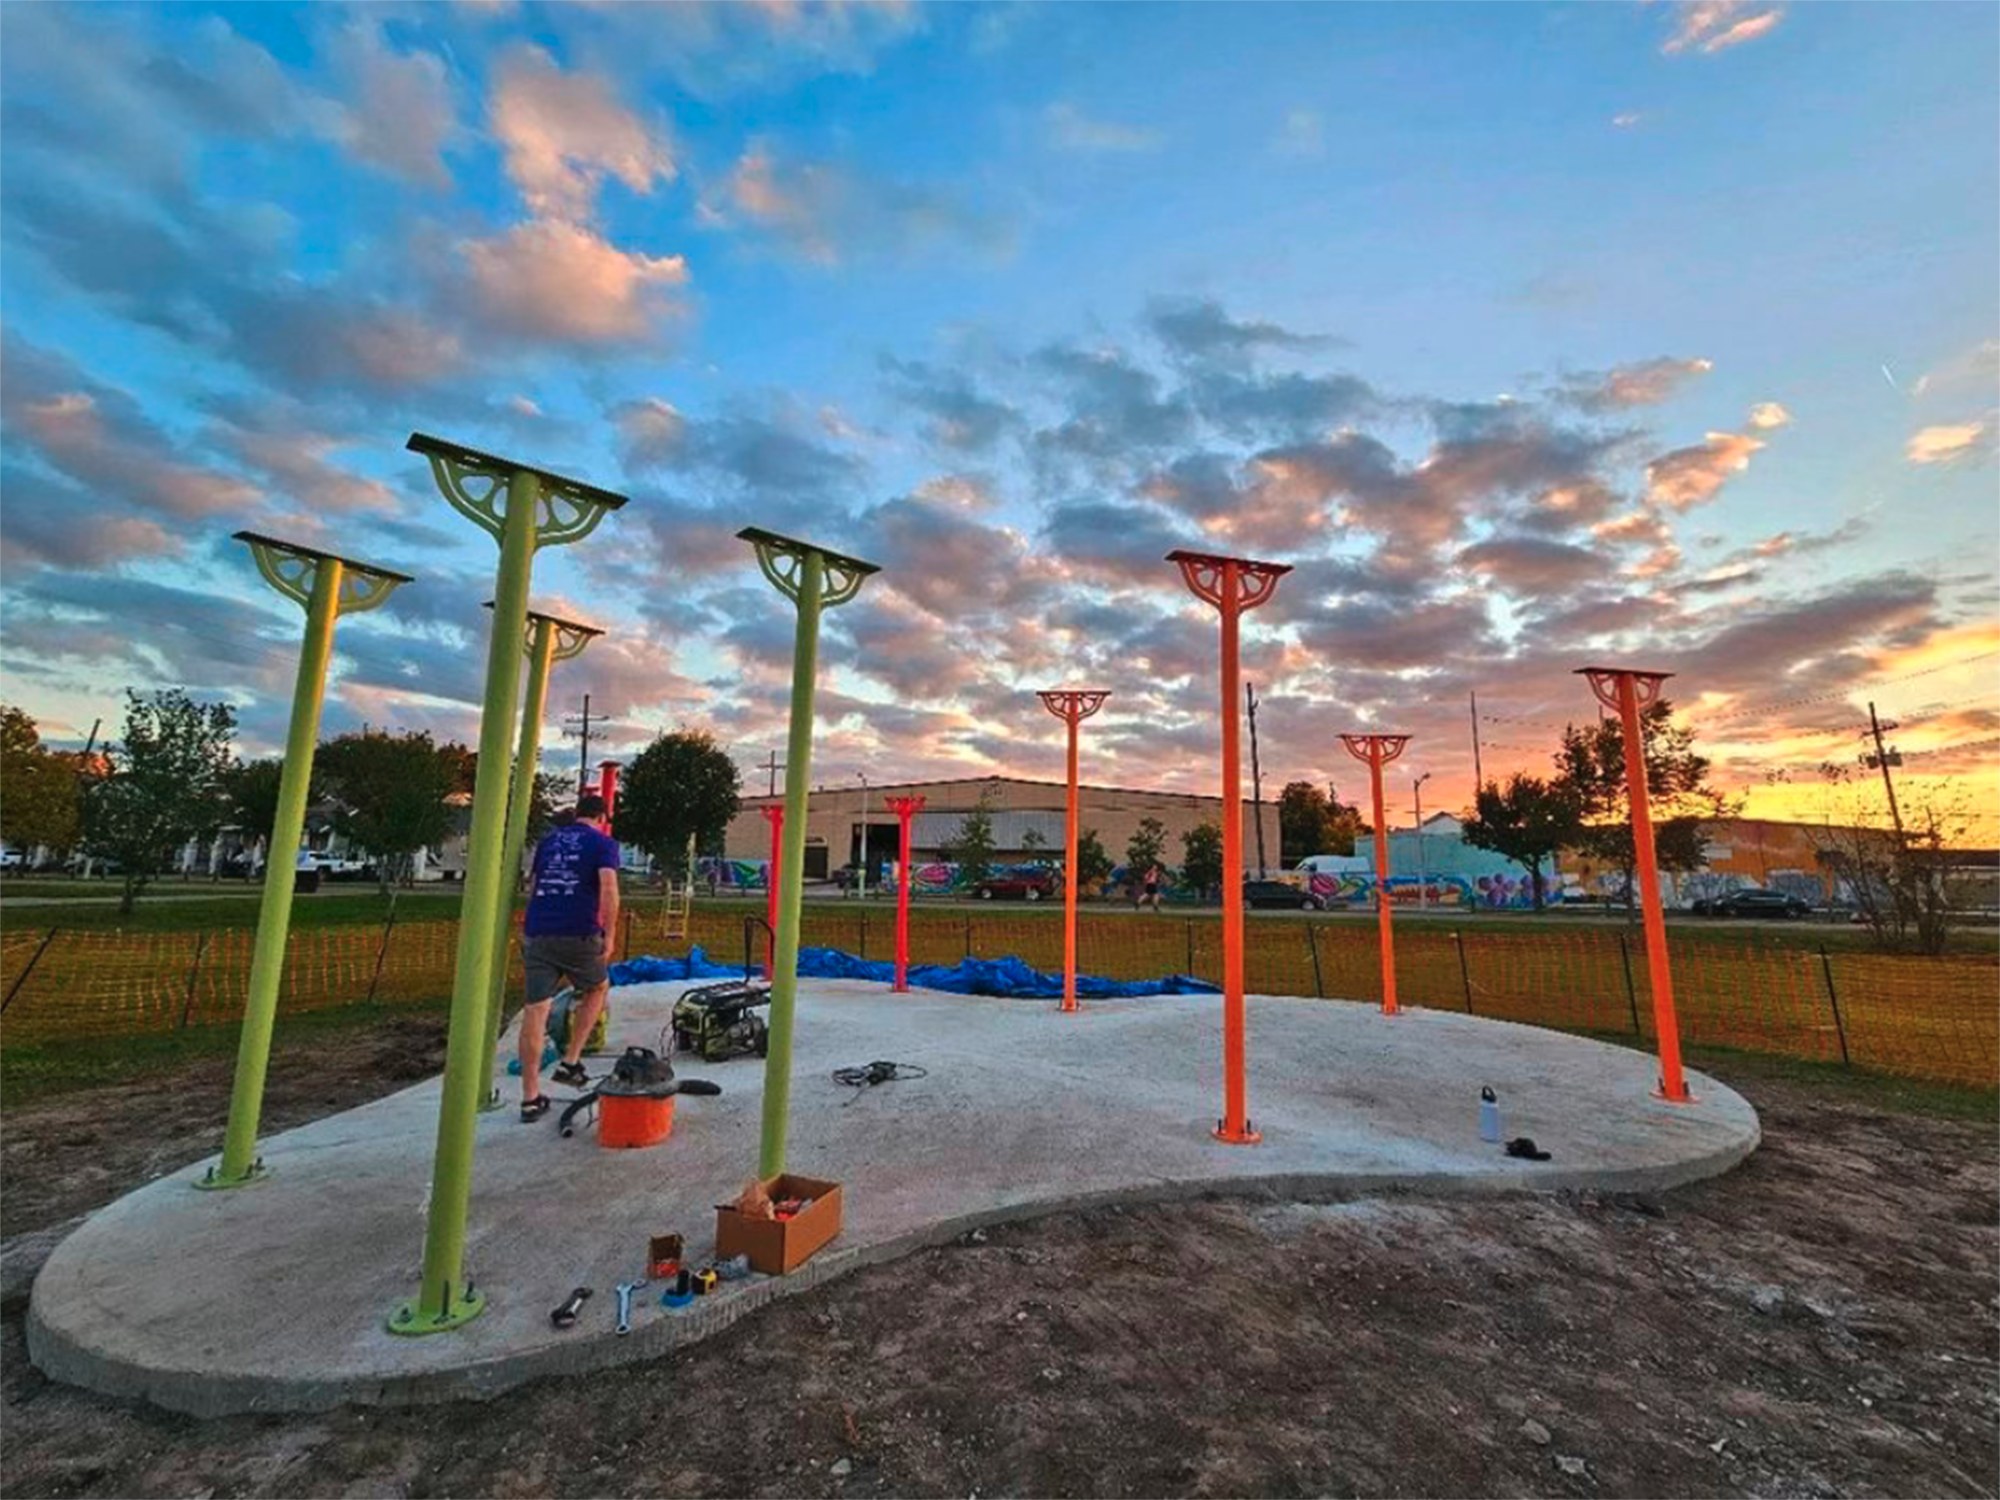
(553, 280)
(1692, 476)
(1716, 25)
(564, 133)
(1951, 442)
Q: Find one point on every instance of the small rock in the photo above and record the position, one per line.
(1573, 1466)
(1051, 1374)
(977, 1237)
(1535, 1433)
(1767, 1300)
(842, 1467)
(1020, 1317)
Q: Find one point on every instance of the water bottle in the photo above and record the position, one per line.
(1489, 1116)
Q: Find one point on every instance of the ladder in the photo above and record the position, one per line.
(677, 910)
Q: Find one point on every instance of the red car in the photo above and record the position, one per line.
(1019, 885)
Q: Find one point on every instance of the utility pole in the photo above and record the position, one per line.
(1478, 776)
(580, 733)
(1256, 776)
(862, 878)
(772, 766)
(1423, 878)
(1885, 758)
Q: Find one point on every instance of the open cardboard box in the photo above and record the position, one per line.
(777, 1246)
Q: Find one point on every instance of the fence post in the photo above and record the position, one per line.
(1190, 947)
(22, 977)
(1631, 995)
(381, 953)
(1833, 999)
(625, 943)
(1464, 969)
(968, 937)
(863, 954)
(194, 973)
(1312, 943)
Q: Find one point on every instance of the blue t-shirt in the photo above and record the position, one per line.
(562, 900)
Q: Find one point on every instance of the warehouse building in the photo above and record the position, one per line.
(1027, 821)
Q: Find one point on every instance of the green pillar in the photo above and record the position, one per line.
(812, 578)
(445, 1298)
(327, 586)
(549, 640)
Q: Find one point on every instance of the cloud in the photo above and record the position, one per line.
(1766, 415)
(1626, 119)
(1951, 443)
(1646, 383)
(1113, 540)
(825, 212)
(653, 432)
(1068, 129)
(1301, 135)
(279, 441)
(1691, 476)
(1534, 565)
(400, 115)
(962, 416)
(563, 133)
(1716, 25)
(1978, 366)
(546, 279)
(1197, 328)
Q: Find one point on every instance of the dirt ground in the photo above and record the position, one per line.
(1825, 1320)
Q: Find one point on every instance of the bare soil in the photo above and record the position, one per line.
(1823, 1321)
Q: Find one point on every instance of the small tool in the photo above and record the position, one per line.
(625, 1291)
(680, 1291)
(565, 1315)
(704, 1281)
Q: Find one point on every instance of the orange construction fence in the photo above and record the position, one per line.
(1929, 1018)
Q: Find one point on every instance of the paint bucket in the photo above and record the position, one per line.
(633, 1119)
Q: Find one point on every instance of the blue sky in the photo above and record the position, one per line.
(1533, 335)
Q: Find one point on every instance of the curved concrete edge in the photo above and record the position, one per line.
(203, 1395)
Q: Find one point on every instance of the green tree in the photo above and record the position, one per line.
(1146, 848)
(1311, 821)
(252, 789)
(38, 793)
(550, 793)
(1590, 767)
(1032, 843)
(972, 848)
(388, 792)
(1201, 860)
(165, 786)
(1528, 820)
(682, 785)
(1093, 865)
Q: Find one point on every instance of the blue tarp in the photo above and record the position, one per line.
(972, 976)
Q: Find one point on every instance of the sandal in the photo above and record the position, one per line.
(533, 1109)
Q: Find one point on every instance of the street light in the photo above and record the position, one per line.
(861, 883)
(1423, 879)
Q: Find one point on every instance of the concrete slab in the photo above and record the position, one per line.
(274, 1297)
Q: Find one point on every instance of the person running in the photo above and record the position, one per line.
(570, 931)
(1150, 895)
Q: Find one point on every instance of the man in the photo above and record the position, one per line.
(571, 930)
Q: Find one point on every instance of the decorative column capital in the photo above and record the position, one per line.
(783, 560)
(292, 567)
(476, 484)
(904, 807)
(1604, 683)
(1208, 575)
(1072, 705)
(1376, 749)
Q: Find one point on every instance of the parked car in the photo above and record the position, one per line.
(11, 859)
(1019, 885)
(1753, 903)
(1276, 893)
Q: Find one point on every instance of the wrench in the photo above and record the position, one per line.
(625, 1291)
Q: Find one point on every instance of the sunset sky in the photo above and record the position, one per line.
(1656, 334)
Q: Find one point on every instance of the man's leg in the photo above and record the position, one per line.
(583, 1013)
(534, 1033)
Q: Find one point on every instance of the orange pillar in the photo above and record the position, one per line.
(905, 808)
(1673, 1084)
(1072, 707)
(775, 816)
(1384, 919)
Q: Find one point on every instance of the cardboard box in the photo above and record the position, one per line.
(779, 1246)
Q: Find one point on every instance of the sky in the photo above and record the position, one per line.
(1531, 337)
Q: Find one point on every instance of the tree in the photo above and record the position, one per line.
(39, 804)
(682, 785)
(1311, 821)
(1528, 821)
(388, 792)
(1032, 843)
(1590, 767)
(550, 793)
(1896, 880)
(971, 848)
(1145, 849)
(165, 786)
(1201, 859)
(1093, 865)
(252, 789)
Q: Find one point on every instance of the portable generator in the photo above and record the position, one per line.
(720, 1021)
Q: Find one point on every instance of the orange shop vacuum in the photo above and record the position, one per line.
(635, 1105)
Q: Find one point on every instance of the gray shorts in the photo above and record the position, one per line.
(554, 959)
